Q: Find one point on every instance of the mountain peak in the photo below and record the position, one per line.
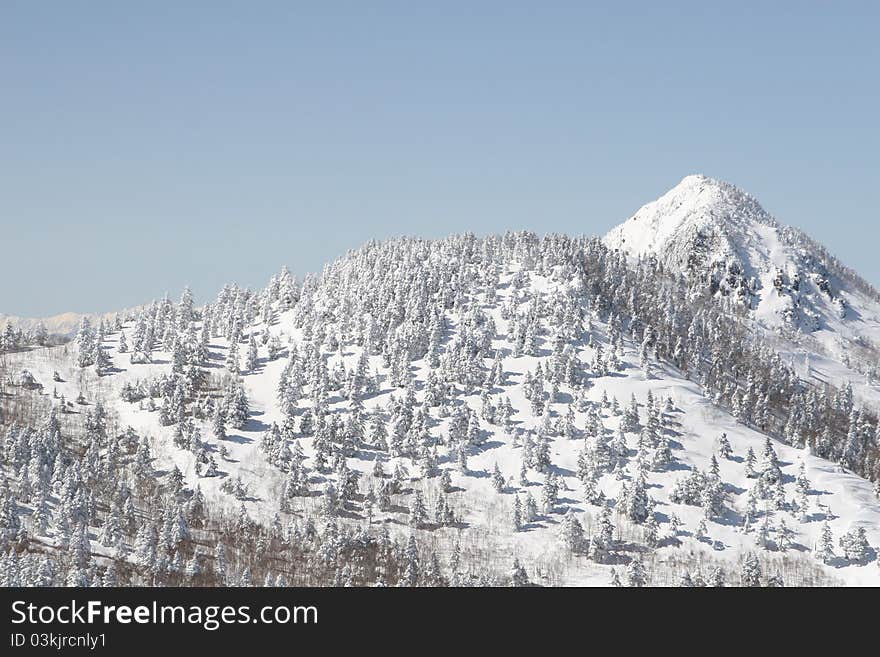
(698, 205)
(710, 189)
(696, 179)
(718, 236)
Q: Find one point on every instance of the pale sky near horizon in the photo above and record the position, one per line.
(148, 146)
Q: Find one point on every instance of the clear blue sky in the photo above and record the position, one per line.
(144, 146)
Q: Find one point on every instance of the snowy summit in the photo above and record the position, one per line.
(700, 218)
(724, 243)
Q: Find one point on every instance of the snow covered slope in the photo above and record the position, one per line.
(617, 427)
(521, 398)
(725, 244)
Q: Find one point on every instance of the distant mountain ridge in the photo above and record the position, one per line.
(63, 325)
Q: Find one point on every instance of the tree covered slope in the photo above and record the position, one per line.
(509, 407)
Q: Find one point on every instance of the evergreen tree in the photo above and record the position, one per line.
(652, 532)
(825, 544)
(411, 570)
(635, 573)
(572, 533)
(636, 504)
(251, 359)
(751, 571)
(518, 576)
(855, 545)
(750, 464)
(85, 343)
(218, 423)
(498, 480)
(237, 408)
(418, 514)
(602, 540)
(550, 493)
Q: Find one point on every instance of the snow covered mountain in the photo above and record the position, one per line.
(726, 244)
(466, 410)
(822, 315)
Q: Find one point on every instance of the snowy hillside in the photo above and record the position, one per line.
(496, 400)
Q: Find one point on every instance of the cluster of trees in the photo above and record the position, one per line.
(16, 339)
(394, 299)
(83, 505)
